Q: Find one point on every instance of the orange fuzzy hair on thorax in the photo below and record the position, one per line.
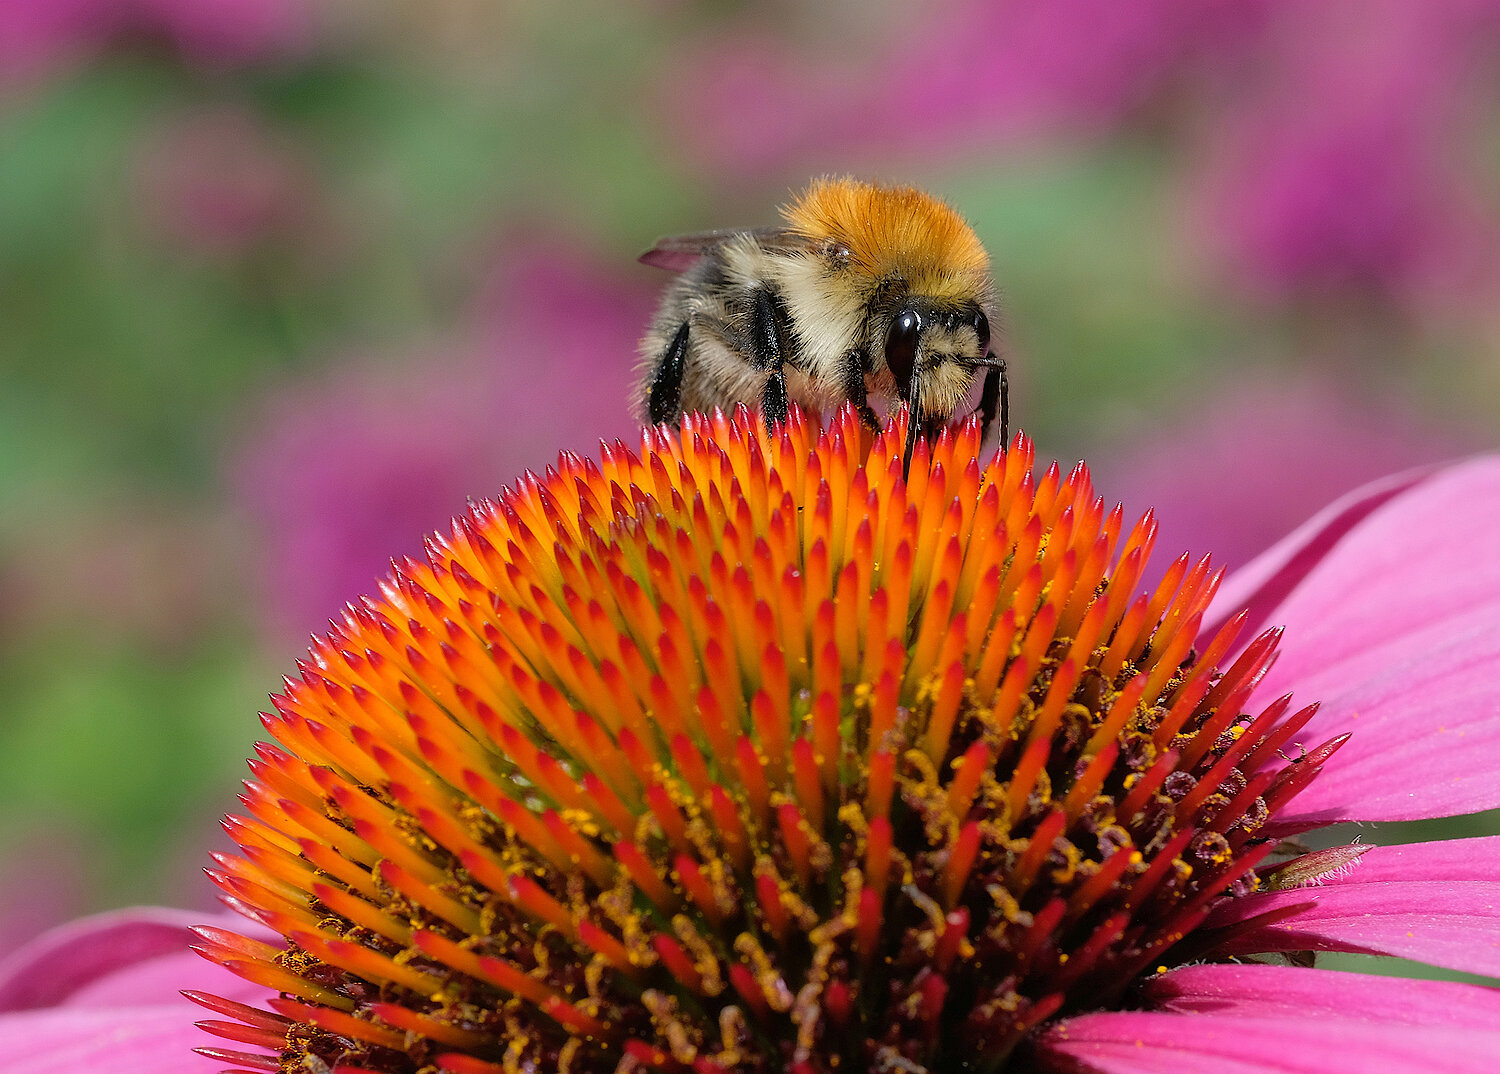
(895, 231)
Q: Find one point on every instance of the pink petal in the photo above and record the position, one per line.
(125, 1040)
(1433, 902)
(102, 993)
(1439, 859)
(1288, 991)
(1138, 1042)
(1391, 603)
(122, 958)
(59, 962)
(1424, 706)
(165, 976)
(1262, 584)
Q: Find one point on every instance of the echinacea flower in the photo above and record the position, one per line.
(741, 754)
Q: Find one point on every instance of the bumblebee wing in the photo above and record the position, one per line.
(681, 252)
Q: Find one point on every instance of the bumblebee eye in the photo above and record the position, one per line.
(901, 348)
(981, 325)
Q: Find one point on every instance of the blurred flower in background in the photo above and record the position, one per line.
(337, 478)
(1065, 69)
(283, 282)
(1343, 169)
(41, 36)
(1215, 466)
(42, 884)
(1332, 140)
(226, 33)
(221, 183)
(40, 39)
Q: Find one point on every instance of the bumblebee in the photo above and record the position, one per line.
(863, 290)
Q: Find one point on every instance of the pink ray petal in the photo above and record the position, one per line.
(1142, 1042)
(56, 964)
(1424, 706)
(121, 958)
(125, 1040)
(1293, 992)
(1433, 902)
(1476, 858)
(102, 993)
(1261, 585)
(164, 977)
(1391, 603)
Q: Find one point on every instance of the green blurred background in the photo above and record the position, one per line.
(283, 281)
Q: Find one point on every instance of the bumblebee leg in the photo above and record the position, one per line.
(996, 391)
(1004, 406)
(854, 388)
(989, 399)
(770, 347)
(665, 400)
(773, 401)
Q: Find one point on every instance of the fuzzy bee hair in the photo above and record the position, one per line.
(895, 232)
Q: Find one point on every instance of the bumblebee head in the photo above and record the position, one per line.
(921, 275)
(933, 352)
